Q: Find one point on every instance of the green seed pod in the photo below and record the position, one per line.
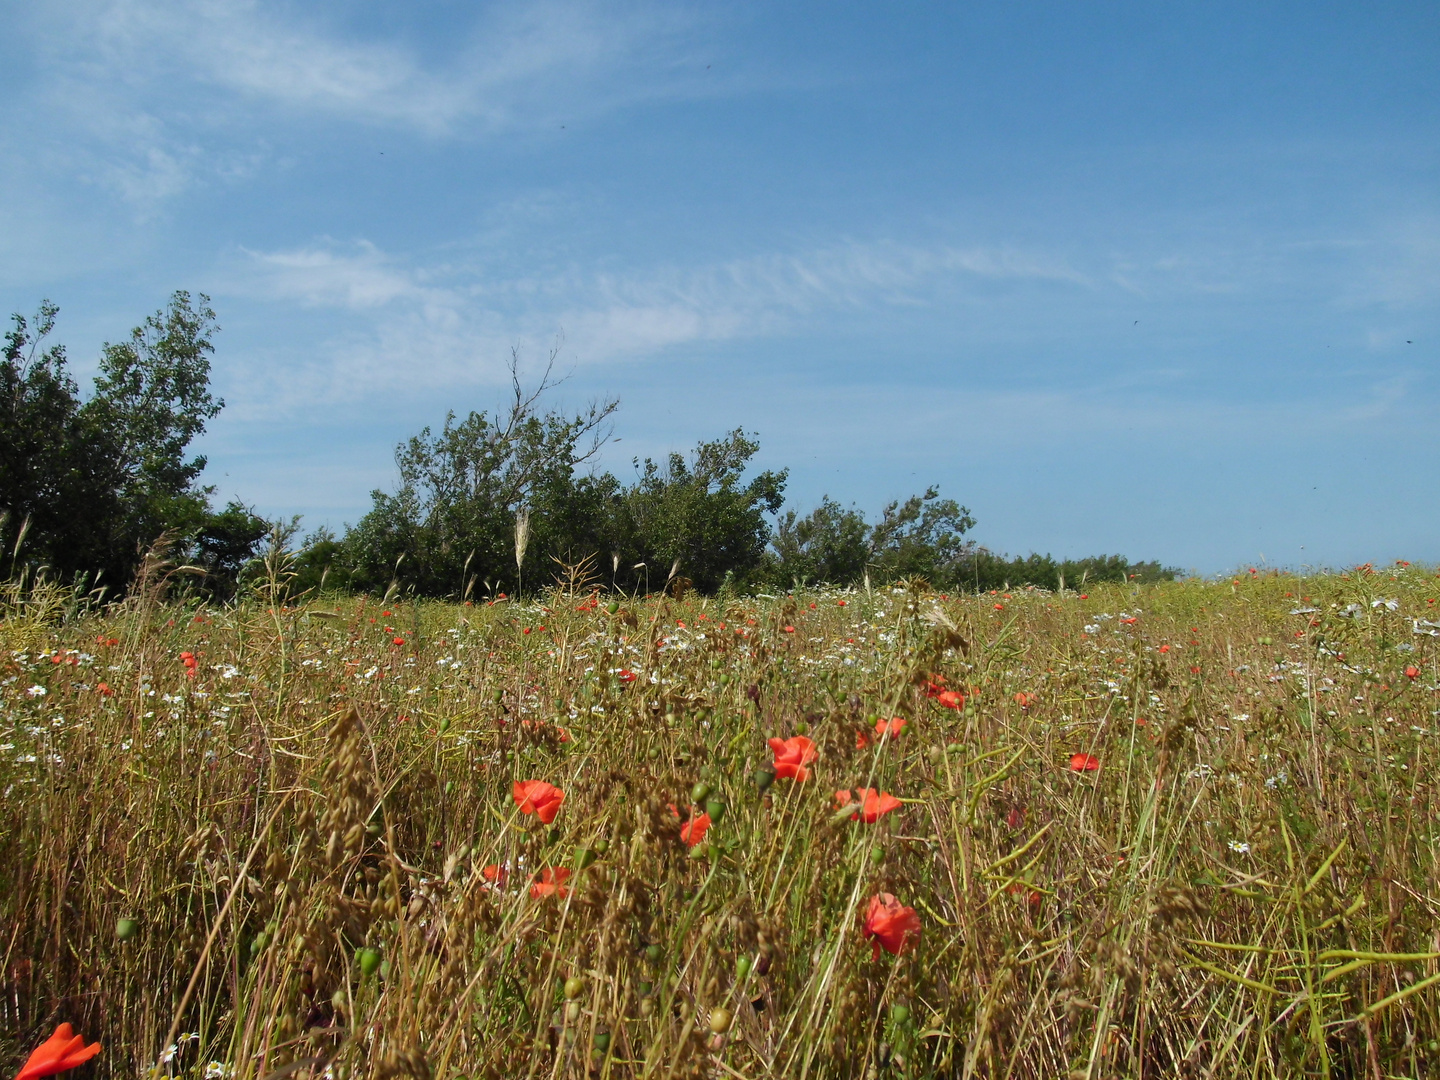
(574, 986)
(877, 855)
(338, 1000)
(801, 728)
(647, 1006)
(583, 857)
(125, 929)
(602, 1041)
(935, 754)
(572, 1012)
(719, 1020)
(444, 725)
(764, 778)
(742, 968)
(700, 792)
(258, 943)
(449, 787)
(654, 953)
(553, 836)
(700, 851)
(498, 696)
(601, 846)
(369, 961)
(900, 1014)
(612, 607)
(716, 809)
(643, 987)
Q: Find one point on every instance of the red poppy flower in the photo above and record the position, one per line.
(495, 874)
(551, 882)
(104, 690)
(791, 757)
(1412, 672)
(63, 1050)
(538, 797)
(950, 699)
(693, 831)
(893, 925)
(626, 675)
(1024, 700)
(789, 629)
(1084, 762)
(840, 603)
(873, 804)
(861, 740)
(399, 641)
(892, 727)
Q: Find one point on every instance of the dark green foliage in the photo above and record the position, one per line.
(450, 527)
(225, 545)
(982, 570)
(699, 519)
(94, 483)
(828, 545)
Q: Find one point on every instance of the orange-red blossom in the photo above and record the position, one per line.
(538, 797)
(873, 804)
(893, 925)
(792, 755)
(63, 1050)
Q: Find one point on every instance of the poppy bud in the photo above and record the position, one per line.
(444, 725)
(742, 968)
(602, 1041)
(572, 1012)
(369, 961)
(612, 607)
(583, 857)
(449, 786)
(899, 1014)
(258, 943)
(716, 809)
(337, 1000)
(574, 986)
(700, 851)
(497, 696)
(719, 1020)
(125, 929)
(654, 953)
(801, 728)
(764, 778)
(700, 792)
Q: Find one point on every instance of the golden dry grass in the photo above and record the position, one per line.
(1247, 886)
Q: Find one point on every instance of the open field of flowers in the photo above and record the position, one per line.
(1179, 830)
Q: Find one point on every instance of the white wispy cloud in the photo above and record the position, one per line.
(150, 96)
(424, 326)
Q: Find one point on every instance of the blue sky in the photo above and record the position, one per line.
(1135, 278)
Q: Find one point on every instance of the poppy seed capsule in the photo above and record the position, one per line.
(742, 968)
(602, 1041)
(612, 607)
(719, 1020)
(654, 953)
(583, 857)
(444, 725)
(572, 1012)
(125, 929)
(574, 985)
(369, 961)
(700, 792)
(716, 809)
(764, 778)
(899, 1013)
(601, 846)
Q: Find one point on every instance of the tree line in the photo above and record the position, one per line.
(487, 503)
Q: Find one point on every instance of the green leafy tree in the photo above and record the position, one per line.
(701, 517)
(451, 523)
(924, 536)
(830, 545)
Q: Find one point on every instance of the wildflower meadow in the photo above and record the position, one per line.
(1175, 829)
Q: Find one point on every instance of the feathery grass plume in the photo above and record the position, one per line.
(522, 541)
